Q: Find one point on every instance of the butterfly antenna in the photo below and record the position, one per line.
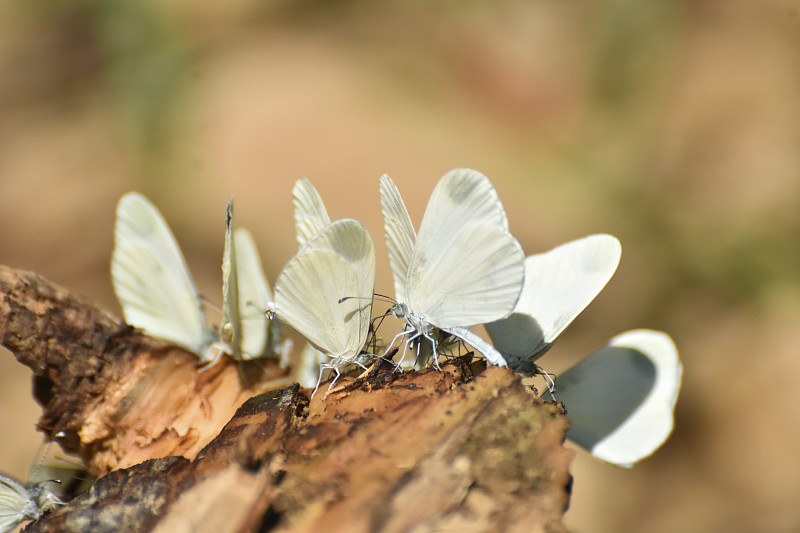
(379, 319)
(382, 297)
(44, 449)
(257, 308)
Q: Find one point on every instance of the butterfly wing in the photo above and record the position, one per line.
(620, 399)
(16, 504)
(310, 215)
(399, 233)
(337, 262)
(151, 280)
(559, 284)
(466, 268)
(306, 370)
(254, 298)
(231, 320)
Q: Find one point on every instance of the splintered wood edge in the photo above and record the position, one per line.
(110, 394)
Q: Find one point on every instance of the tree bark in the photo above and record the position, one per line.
(466, 448)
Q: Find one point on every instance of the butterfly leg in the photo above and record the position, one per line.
(335, 378)
(435, 354)
(213, 356)
(551, 384)
(322, 368)
(405, 331)
(415, 339)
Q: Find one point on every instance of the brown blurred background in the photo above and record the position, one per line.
(672, 125)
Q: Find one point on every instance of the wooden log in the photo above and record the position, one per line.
(463, 448)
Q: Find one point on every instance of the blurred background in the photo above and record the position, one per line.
(673, 125)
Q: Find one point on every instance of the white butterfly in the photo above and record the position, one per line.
(620, 399)
(246, 330)
(464, 268)
(310, 217)
(338, 262)
(151, 280)
(20, 502)
(559, 284)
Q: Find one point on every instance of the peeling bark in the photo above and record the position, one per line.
(465, 448)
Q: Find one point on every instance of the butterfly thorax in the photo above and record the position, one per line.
(416, 322)
(419, 324)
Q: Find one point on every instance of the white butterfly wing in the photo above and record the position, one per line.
(306, 369)
(17, 504)
(310, 215)
(254, 298)
(466, 268)
(231, 321)
(399, 233)
(151, 280)
(620, 399)
(246, 296)
(559, 284)
(337, 262)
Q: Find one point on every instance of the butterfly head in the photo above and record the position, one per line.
(399, 310)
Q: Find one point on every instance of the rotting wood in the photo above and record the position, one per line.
(461, 449)
(110, 394)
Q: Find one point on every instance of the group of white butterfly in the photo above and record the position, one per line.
(461, 270)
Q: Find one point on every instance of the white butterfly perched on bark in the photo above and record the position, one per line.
(559, 284)
(325, 291)
(152, 282)
(620, 399)
(464, 268)
(246, 331)
(20, 502)
(311, 217)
